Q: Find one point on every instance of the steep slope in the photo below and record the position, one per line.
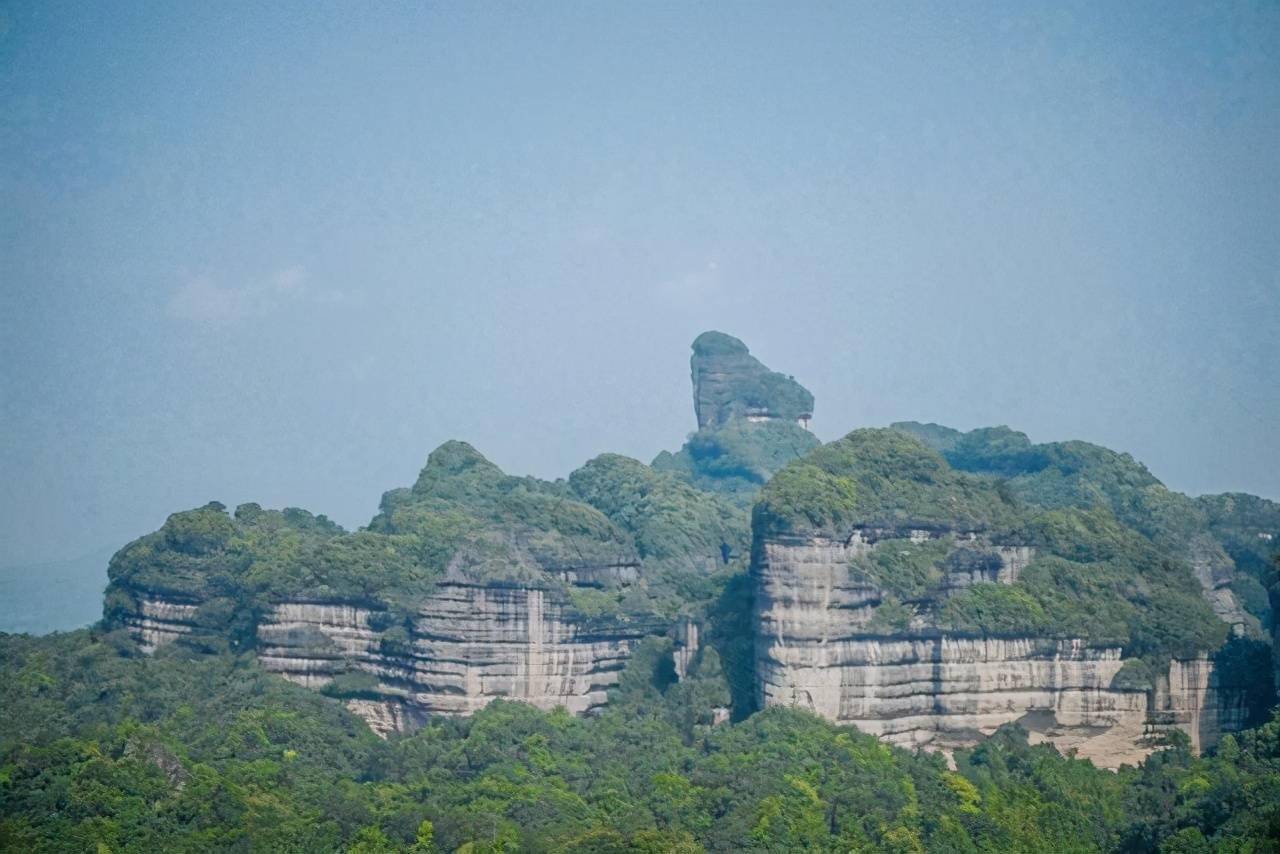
(469, 586)
(930, 606)
(729, 384)
(751, 421)
(1248, 527)
(1083, 475)
(676, 527)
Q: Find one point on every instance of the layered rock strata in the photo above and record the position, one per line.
(818, 647)
(158, 621)
(464, 647)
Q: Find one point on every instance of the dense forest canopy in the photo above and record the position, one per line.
(101, 748)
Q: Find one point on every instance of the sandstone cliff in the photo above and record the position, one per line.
(462, 647)
(820, 646)
(911, 607)
(470, 586)
(729, 383)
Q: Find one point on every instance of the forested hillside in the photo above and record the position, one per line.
(674, 657)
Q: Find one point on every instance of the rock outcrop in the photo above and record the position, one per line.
(1216, 572)
(820, 646)
(465, 646)
(158, 621)
(469, 586)
(729, 383)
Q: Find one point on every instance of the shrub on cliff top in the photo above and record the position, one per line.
(540, 521)
(995, 609)
(877, 478)
(669, 519)
(201, 552)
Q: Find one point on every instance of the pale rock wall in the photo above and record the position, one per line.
(1191, 698)
(814, 649)
(474, 644)
(159, 621)
(385, 717)
(808, 587)
(468, 645)
(686, 647)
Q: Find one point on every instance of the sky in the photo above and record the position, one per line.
(278, 252)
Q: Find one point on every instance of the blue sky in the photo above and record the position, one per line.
(278, 252)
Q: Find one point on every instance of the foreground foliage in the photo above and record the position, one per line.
(102, 749)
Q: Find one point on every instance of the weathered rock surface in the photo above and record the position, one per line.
(818, 647)
(812, 588)
(466, 646)
(729, 383)
(158, 621)
(1215, 571)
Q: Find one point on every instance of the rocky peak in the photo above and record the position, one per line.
(729, 384)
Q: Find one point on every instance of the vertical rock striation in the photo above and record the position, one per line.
(465, 646)
(818, 646)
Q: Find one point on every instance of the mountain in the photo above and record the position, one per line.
(931, 606)
(751, 421)
(739, 647)
(1060, 586)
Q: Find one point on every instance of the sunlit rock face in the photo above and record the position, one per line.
(811, 588)
(819, 647)
(729, 383)
(464, 647)
(158, 621)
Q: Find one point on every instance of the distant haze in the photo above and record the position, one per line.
(278, 252)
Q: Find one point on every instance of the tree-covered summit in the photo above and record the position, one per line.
(1092, 576)
(648, 541)
(1227, 539)
(482, 523)
(879, 479)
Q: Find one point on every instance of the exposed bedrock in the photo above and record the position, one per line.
(729, 383)
(818, 648)
(158, 621)
(466, 646)
(1215, 571)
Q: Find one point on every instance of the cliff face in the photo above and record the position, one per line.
(461, 590)
(465, 646)
(158, 620)
(729, 383)
(820, 646)
(1216, 572)
(1217, 535)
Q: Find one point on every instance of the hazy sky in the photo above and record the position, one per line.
(279, 252)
